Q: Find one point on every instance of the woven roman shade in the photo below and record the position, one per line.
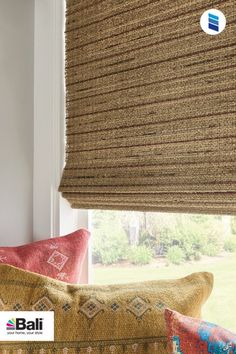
(150, 107)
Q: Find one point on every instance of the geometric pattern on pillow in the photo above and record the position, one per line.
(60, 257)
(188, 335)
(105, 319)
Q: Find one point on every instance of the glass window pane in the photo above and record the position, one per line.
(135, 246)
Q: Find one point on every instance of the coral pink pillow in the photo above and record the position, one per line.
(187, 335)
(60, 258)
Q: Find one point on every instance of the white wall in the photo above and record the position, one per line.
(16, 121)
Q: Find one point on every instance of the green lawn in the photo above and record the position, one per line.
(221, 306)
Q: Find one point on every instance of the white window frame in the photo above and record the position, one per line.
(52, 214)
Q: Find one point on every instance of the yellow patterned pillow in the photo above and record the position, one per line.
(112, 319)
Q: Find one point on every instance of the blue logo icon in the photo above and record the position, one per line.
(213, 22)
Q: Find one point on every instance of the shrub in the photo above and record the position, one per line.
(190, 235)
(233, 224)
(140, 255)
(211, 250)
(147, 239)
(175, 255)
(197, 256)
(215, 234)
(110, 242)
(230, 245)
(162, 230)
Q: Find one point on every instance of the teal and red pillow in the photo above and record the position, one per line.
(59, 257)
(187, 335)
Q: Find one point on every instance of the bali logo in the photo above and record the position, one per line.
(21, 324)
(11, 324)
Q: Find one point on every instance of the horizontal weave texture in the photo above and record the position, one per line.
(106, 319)
(150, 102)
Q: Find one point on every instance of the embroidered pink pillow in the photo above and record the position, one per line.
(187, 335)
(60, 258)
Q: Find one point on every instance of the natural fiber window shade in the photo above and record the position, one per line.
(150, 104)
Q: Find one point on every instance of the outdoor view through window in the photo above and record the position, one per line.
(134, 246)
